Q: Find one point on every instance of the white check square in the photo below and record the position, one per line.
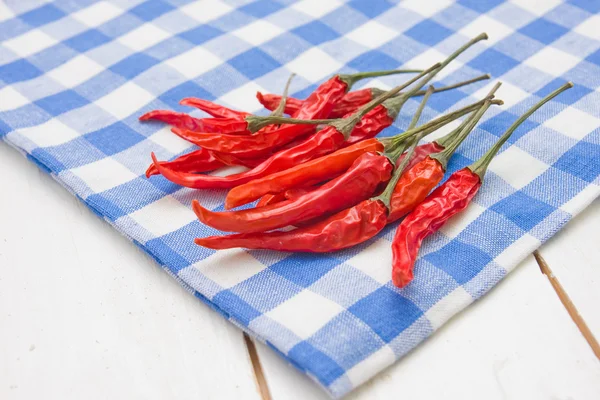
(517, 167)
(456, 300)
(207, 10)
(5, 12)
(495, 30)
(97, 14)
(537, 7)
(11, 99)
(29, 43)
(258, 32)
(573, 123)
(104, 174)
(244, 97)
(305, 313)
(125, 100)
(552, 61)
(380, 271)
(143, 37)
(426, 8)
(229, 267)
(51, 133)
(163, 216)
(314, 65)
(590, 27)
(316, 8)
(372, 34)
(75, 71)
(194, 62)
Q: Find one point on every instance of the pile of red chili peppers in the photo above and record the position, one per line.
(323, 172)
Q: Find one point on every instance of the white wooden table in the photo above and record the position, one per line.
(84, 314)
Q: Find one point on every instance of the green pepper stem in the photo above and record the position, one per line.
(455, 85)
(345, 125)
(351, 79)
(278, 112)
(395, 107)
(438, 122)
(444, 156)
(480, 166)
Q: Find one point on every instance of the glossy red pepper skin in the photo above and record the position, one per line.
(351, 102)
(318, 105)
(414, 186)
(342, 230)
(176, 119)
(354, 186)
(195, 162)
(325, 141)
(213, 109)
(449, 199)
(316, 170)
(370, 125)
(270, 199)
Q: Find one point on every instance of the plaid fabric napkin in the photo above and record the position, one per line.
(76, 74)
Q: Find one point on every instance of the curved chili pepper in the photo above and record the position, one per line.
(419, 179)
(213, 109)
(347, 104)
(315, 170)
(346, 228)
(336, 232)
(348, 189)
(444, 202)
(352, 100)
(318, 105)
(203, 160)
(177, 119)
(195, 162)
(331, 163)
(324, 142)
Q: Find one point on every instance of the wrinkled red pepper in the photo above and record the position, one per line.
(449, 199)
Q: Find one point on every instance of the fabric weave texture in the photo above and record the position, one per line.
(76, 74)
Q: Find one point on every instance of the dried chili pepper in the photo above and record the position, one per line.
(195, 162)
(352, 100)
(346, 228)
(213, 109)
(325, 163)
(420, 178)
(449, 199)
(358, 183)
(325, 141)
(318, 105)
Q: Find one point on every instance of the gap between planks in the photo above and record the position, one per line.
(568, 304)
(259, 376)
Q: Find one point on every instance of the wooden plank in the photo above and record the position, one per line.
(574, 256)
(84, 314)
(515, 343)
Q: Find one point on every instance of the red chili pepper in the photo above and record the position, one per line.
(195, 162)
(326, 163)
(351, 101)
(213, 109)
(355, 185)
(270, 199)
(449, 199)
(324, 142)
(424, 174)
(344, 229)
(318, 105)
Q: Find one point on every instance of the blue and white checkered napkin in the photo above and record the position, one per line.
(75, 75)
